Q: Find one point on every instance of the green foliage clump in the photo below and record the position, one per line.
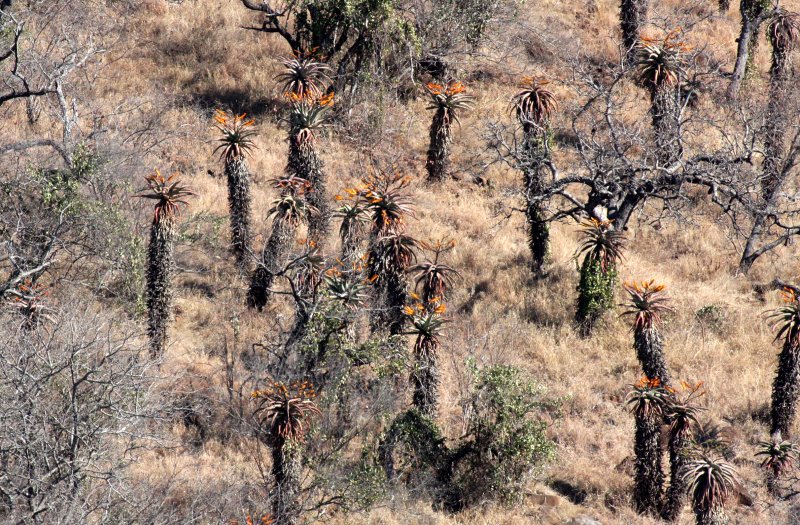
(509, 443)
(505, 442)
(595, 291)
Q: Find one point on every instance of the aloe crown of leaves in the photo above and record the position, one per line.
(786, 319)
(601, 243)
(647, 302)
(535, 103)
(394, 252)
(308, 115)
(237, 134)
(682, 411)
(661, 62)
(783, 29)
(346, 287)
(450, 97)
(304, 77)
(647, 398)
(386, 200)
(710, 482)
(778, 456)
(283, 409)
(433, 277)
(168, 192)
(426, 320)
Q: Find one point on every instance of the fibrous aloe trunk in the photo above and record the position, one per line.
(711, 516)
(306, 164)
(425, 377)
(650, 351)
(160, 267)
(238, 175)
(679, 449)
(534, 169)
(396, 294)
(785, 389)
(632, 16)
(665, 111)
(777, 118)
(286, 473)
(272, 258)
(649, 476)
(438, 162)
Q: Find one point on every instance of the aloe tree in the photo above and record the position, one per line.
(783, 31)
(426, 324)
(680, 411)
(169, 194)
(304, 119)
(660, 65)
(282, 415)
(303, 82)
(710, 483)
(779, 458)
(633, 17)
(647, 401)
(287, 212)
(786, 386)
(601, 249)
(647, 302)
(533, 106)
(236, 141)
(447, 101)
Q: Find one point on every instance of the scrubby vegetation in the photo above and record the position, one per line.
(402, 263)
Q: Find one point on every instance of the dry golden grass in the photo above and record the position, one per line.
(195, 53)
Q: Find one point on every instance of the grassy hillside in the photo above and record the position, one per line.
(181, 60)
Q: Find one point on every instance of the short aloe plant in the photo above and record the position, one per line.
(282, 414)
(778, 458)
(711, 482)
(426, 324)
